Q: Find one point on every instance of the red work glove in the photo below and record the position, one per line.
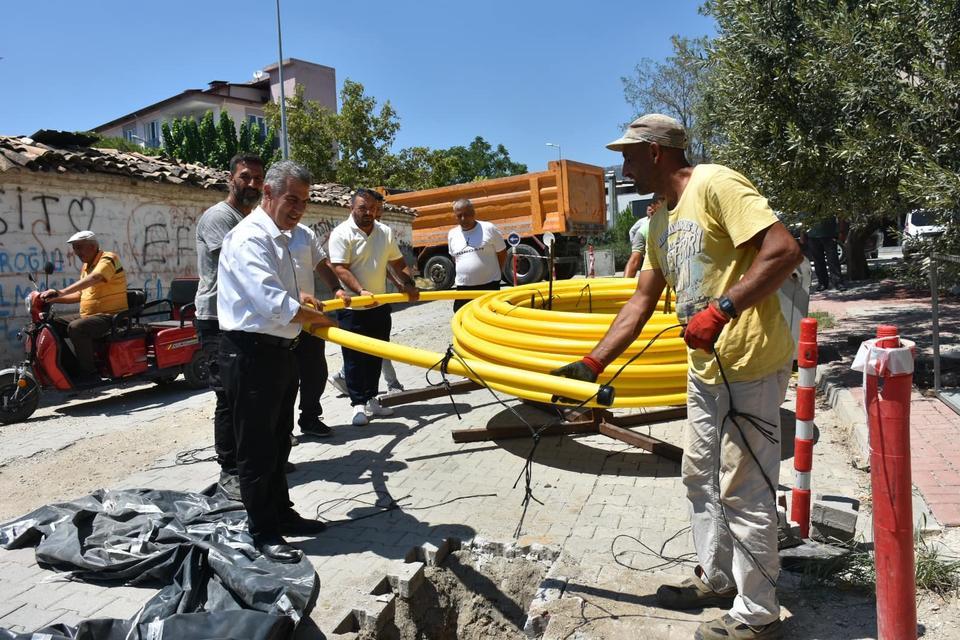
(703, 328)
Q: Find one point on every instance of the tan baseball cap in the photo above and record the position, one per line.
(653, 127)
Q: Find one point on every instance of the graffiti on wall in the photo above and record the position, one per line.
(156, 242)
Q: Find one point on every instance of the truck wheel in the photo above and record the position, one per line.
(197, 371)
(19, 407)
(529, 265)
(566, 270)
(440, 271)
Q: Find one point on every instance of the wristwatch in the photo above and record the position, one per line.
(725, 305)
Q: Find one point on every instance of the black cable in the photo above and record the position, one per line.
(767, 434)
(668, 561)
(392, 505)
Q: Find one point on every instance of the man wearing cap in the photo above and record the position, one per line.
(478, 249)
(719, 245)
(101, 292)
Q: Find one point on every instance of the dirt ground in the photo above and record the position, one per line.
(469, 598)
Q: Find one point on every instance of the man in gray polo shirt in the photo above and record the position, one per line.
(245, 184)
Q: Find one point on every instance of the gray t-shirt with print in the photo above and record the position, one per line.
(211, 228)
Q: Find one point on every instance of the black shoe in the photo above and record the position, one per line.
(821, 288)
(315, 428)
(293, 524)
(229, 484)
(289, 467)
(276, 549)
(841, 286)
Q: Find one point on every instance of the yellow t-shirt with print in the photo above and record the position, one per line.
(695, 246)
(105, 297)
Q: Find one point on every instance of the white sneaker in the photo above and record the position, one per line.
(339, 383)
(360, 416)
(375, 410)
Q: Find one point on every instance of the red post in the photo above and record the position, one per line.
(514, 266)
(591, 263)
(887, 398)
(803, 439)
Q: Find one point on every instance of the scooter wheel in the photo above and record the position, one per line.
(17, 403)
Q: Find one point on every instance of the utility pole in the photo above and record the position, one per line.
(284, 147)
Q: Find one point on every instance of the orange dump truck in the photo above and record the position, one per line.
(567, 200)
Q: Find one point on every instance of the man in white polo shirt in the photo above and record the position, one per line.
(478, 249)
(360, 250)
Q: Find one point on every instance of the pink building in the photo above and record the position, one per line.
(243, 101)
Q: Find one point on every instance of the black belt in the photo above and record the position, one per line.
(264, 339)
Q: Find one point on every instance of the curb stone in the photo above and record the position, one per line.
(852, 416)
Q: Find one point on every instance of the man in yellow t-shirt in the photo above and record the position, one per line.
(101, 292)
(720, 247)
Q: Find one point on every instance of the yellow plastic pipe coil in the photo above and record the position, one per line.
(509, 341)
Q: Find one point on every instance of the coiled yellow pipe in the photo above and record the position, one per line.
(509, 341)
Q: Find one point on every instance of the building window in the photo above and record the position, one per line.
(152, 131)
(258, 126)
(130, 133)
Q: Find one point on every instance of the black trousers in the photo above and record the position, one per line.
(260, 382)
(490, 286)
(312, 365)
(362, 371)
(224, 443)
(824, 252)
(83, 331)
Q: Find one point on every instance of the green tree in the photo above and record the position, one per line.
(837, 108)
(364, 137)
(213, 145)
(672, 87)
(226, 140)
(311, 134)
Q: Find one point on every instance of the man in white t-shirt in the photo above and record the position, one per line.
(478, 250)
(360, 251)
(638, 239)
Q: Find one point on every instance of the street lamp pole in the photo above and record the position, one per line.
(285, 149)
(559, 153)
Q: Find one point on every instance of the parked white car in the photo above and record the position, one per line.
(921, 223)
(918, 226)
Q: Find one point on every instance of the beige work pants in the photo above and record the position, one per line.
(750, 508)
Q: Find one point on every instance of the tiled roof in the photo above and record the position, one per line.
(26, 153)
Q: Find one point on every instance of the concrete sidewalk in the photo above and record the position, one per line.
(592, 490)
(935, 426)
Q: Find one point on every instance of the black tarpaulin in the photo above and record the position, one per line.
(195, 546)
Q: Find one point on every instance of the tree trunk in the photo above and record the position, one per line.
(857, 255)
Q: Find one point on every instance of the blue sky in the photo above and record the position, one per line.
(520, 73)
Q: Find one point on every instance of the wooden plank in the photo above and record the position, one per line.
(648, 443)
(536, 204)
(650, 417)
(521, 431)
(426, 393)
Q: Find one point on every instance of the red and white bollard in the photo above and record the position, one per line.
(591, 263)
(803, 439)
(514, 266)
(887, 366)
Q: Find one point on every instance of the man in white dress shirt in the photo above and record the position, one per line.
(360, 250)
(478, 249)
(261, 314)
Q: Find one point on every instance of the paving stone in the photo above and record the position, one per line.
(406, 578)
(29, 617)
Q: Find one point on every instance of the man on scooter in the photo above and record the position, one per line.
(101, 292)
